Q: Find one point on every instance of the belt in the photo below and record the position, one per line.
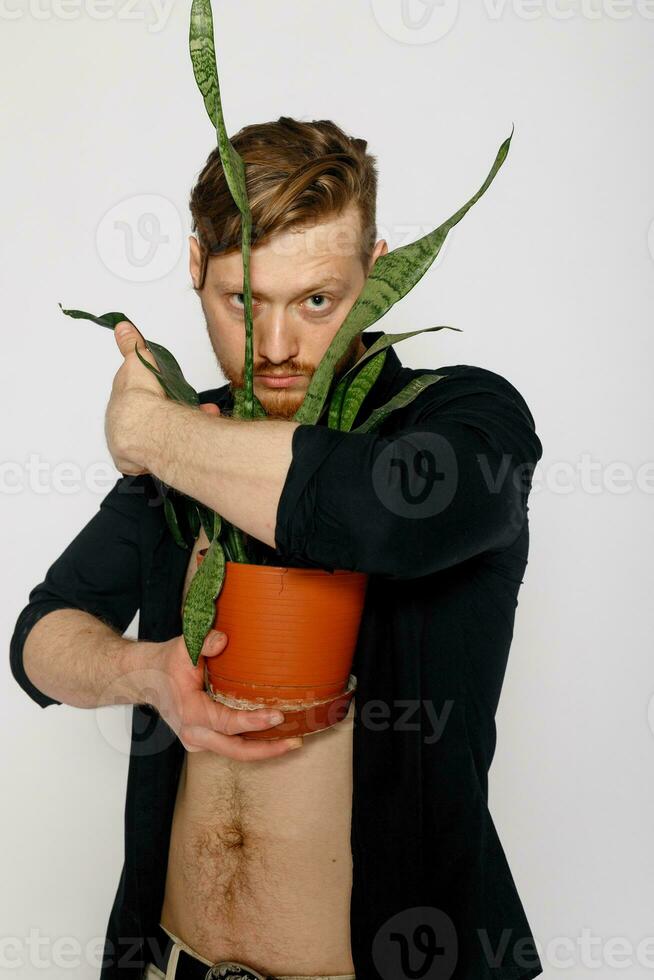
(191, 968)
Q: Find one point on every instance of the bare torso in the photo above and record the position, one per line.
(260, 865)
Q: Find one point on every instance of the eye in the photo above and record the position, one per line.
(322, 304)
(237, 301)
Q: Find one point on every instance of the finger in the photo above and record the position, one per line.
(217, 717)
(234, 747)
(127, 336)
(210, 408)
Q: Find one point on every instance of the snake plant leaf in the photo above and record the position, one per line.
(359, 388)
(205, 69)
(411, 391)
(336, 404)
(172, 382)
(259, 411)
(386, 340)
(173, 523)
(217, 524)
(389, 340)
(105, 320)
(391, 278)
(170, 375)
(193, 515)
(199, 611)
(203, 58)
(235, 542)
(206, 519)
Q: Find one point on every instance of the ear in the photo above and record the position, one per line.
(194, 260)
(381, 248)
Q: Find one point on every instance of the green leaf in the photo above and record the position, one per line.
(173, 523)
(172, 373)
(359, 388)
(235, 542)
(199, 611)
(206, 518)
(389, 340)
(106, 320)
(175, 386)
(192, 515)
(411, 391)
(258, 411)
(203, 58)
(382, 343)
(391, 278)
(169, 375)
(205, 69)
(336, 404)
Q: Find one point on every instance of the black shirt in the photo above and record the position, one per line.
(433, 505)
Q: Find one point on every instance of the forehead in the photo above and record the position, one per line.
(297, 257)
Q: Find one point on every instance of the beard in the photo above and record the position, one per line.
(283, 403)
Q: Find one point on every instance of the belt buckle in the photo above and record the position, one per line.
(232, 971)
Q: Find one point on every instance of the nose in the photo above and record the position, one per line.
(275, 341)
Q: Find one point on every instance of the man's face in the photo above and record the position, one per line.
(304, 282)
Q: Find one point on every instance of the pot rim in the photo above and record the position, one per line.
(287, 568)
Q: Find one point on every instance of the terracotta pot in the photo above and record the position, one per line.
(292, 634)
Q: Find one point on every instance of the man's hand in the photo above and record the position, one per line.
(201, 723)
(131, 417)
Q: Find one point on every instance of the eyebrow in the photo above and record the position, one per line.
(222, 285)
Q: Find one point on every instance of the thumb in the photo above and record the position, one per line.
(126, 336)
(214, 643)
(210, 408)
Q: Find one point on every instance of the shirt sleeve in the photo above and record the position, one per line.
(427, 496)
(99, 573)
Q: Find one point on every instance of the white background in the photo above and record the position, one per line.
(551, 279)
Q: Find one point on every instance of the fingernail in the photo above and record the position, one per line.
(295, 744)
(274, 718)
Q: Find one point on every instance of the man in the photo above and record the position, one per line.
(371, 851)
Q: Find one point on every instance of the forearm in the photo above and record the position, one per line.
(236, 467)
(74, 657)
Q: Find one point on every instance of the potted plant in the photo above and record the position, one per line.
(234, 588)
